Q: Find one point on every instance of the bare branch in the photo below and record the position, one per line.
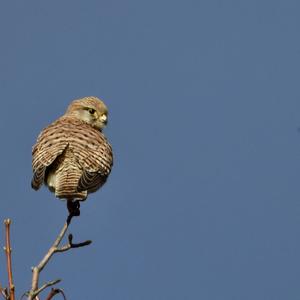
(47, 284)
(36, 270)
(7, 250)
(72, 245)
(33, 293)
(54, 292)
(3, 292)
(24, 295)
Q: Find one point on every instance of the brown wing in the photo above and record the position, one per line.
(50, 144)
(95, 156)
(89, 146)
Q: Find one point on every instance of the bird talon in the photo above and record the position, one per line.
(73, 208)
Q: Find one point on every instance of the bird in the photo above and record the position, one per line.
(72, 156)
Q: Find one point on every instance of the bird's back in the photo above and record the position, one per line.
(72, 158)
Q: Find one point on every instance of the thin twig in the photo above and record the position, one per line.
(26, 295)
(54, 292)
(3, 292)
(33, 293)
(47, 284)
(7, 250)
(71, 245)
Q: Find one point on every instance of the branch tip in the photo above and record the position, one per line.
(54, 292)
(7, 222)
(44, 286)
(7, 250)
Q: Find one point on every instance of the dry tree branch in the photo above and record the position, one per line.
(26, 295)
(4, 293)
(72, 245)
(7, 250)
(47, 284)
(33, 293)
(54, 292)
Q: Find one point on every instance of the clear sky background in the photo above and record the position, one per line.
(204, 198)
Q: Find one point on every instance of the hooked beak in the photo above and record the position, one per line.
(104, 119)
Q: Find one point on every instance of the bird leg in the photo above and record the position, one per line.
(73, 208)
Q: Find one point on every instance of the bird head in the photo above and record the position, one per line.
(90, 110)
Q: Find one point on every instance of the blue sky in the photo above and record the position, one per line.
(204, 199)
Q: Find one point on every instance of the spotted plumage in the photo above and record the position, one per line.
(72, 156)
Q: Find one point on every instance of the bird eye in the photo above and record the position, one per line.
(91, 111)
